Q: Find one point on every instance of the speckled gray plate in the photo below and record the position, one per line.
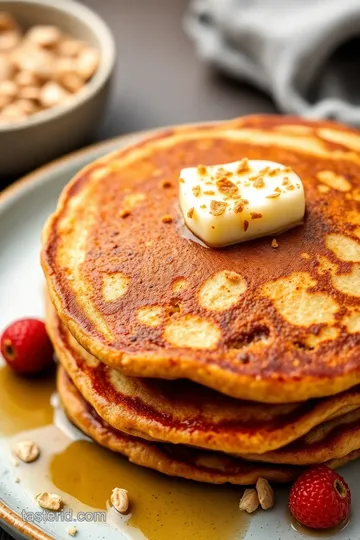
(24, 208)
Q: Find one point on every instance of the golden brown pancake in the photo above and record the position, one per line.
(183, 412)
(139, 295)
(173, 460)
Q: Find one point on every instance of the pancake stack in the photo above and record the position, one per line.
(217, 365)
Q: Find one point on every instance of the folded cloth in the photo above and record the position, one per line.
(304, 53)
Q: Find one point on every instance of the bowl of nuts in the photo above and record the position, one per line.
(56, 63)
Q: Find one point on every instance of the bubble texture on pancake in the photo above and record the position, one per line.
(183, 412)
(173, 460)
(129, 284)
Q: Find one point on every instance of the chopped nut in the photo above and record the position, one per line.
(203, 206)
(191, 213)
(274, 172)
(71, 531)
(201, 169)
(26, 78)
(70, 47)
(196, 191)
(29, 92)
(265, 493)
(217, 208)
(239, 208)
(9, 40)
(232, 276)
(277, 189)
(167, 219)
(243, 166)
(71, 82)
(166, 184)
(227, 187)
(46, 36)
(27, 451)
(246, 225)
(259, 182)
(255, 215)
(52, 94)
(49, 501)
(290, 188)
(265, 170)
(274, 243)
(273, 196)
(209, 192)
(249, 502)
(124, 213)
(6, 68)
(285, 182)
(87, 63)
(120, 500)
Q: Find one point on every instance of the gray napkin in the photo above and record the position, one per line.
(305, 53)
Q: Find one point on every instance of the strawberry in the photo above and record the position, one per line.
(26, 347)
(320, 498)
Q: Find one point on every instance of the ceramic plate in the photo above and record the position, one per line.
(24, 208)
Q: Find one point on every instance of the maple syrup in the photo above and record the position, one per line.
(316, 533)
(84, 473)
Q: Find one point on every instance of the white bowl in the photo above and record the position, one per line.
(48, 134)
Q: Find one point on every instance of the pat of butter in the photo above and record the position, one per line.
(235, 202)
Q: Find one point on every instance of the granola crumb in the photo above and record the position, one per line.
(71, 531)
(274, 243)
(26, 451)
(191, 213)
(167, 219)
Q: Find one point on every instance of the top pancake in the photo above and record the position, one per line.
(137, 293)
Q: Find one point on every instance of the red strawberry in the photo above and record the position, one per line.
(26, 347)
(320, 498)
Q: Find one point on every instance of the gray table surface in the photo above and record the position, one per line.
(159, 81)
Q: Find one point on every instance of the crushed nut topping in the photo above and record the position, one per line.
(277, 189)
(265, 493)
(196, 191)
(265, 170)
(246, 225)
(274, 243)
(209, 192)
(201, 169)
(203, 206)
(232, 276)
(227, 187)
(120, 500)
(49, 501)
(167, 219)
(259, 182)
(166, 184)
(290, 188)
(27, 451)
(191, 213)
(182, 180)
(71, 531)
(249, 502)
(255, 215)
(274, 172)
(217, 208)
(124, 213)
(243, 166)
(239, 207)
(286, 181)
(273, 196)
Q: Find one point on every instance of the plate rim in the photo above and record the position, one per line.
(8, 516)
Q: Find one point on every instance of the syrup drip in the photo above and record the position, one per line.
(84, 474)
